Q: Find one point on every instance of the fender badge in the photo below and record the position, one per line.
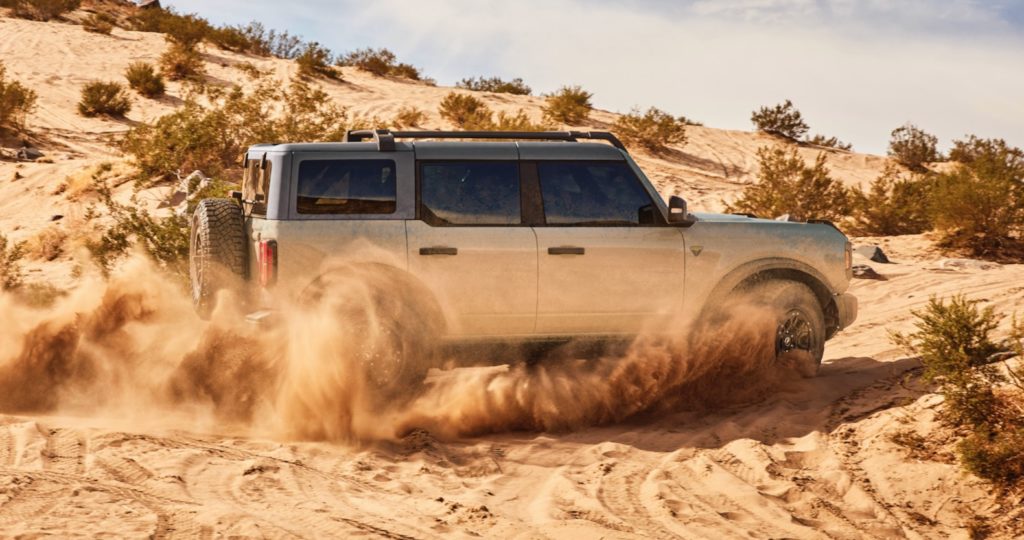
(696, 250)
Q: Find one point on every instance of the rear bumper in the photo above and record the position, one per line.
(846, 309)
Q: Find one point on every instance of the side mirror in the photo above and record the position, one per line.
(677, 210)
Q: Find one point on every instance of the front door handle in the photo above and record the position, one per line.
(439, 250)
(566, 250)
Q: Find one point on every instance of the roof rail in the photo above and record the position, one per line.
(385, 139)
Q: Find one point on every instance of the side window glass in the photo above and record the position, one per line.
(470, 193)
(347, 186)
(593, 194)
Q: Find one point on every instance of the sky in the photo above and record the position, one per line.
(856, 69)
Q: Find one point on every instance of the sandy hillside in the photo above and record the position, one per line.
(813, 459)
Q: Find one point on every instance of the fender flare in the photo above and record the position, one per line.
(779, 268)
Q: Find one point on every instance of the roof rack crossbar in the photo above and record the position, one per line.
(385, 139)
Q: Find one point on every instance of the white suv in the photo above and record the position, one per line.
(542, 236)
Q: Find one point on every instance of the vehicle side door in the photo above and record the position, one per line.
(470, 245)
(608, 262)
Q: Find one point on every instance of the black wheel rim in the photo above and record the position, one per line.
(794, 333)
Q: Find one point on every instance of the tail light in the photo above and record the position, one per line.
(849, 256)
(266, 257)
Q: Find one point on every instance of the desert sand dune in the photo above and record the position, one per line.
(812, 458)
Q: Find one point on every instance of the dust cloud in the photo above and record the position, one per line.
(344, 361)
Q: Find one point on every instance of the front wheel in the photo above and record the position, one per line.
(799, 324)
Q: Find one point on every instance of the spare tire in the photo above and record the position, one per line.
(216, 252)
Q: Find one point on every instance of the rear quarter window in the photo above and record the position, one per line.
(346, 186)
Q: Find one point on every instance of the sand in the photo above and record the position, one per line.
(813, 459)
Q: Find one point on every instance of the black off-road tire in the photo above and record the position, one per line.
(217, 252)
(800, 324)
(405, 317)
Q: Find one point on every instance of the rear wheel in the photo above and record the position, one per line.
(217, 252)
(394, 319)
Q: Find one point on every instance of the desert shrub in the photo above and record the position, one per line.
(375, 61)
(165, 239)
(409, 117)
(690, 122)
(180, 63)
(187, 31)
(786, 185)
(829, 142)
(953, 341)
(782, 119)
(993, 154)
(893, 205)
(48, 244)
(99, 23)
(520, 121)
(912, 147)
(978, 205)
(11, 273)
(16, 102)
(144, 79)
(315, 60)
(380, 62)
(465, 111)
(654, 129)
(495, 84)
(254, 38)
(569, 105)
(251, 70)
(107, 98)
(42, 10)
(210, 137)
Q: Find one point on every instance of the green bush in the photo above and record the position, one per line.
(11, 273)
(912, 147)
(466, 111)
(107, 98)
(188, 31)
(99, 23)
(210, 137)
(893, 205)
(520, 121)
(829, 142)
(569, 105)
(495, 84)
(954, 344)
(144, 79)
(164, 239)
(654, 130)
(786, 185)
(978, 206)
(16, 103)
(782, 119)
(181, 63)
(316, 60)
(380, 62)
(409, 117)
(42, 10)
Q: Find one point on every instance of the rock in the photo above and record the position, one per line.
(873, 253)
(863, 271)
(28, 153)
(56, 217)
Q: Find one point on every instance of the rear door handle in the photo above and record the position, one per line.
(566, 250)
(439, 250)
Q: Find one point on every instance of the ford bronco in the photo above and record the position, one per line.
(516, 237)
